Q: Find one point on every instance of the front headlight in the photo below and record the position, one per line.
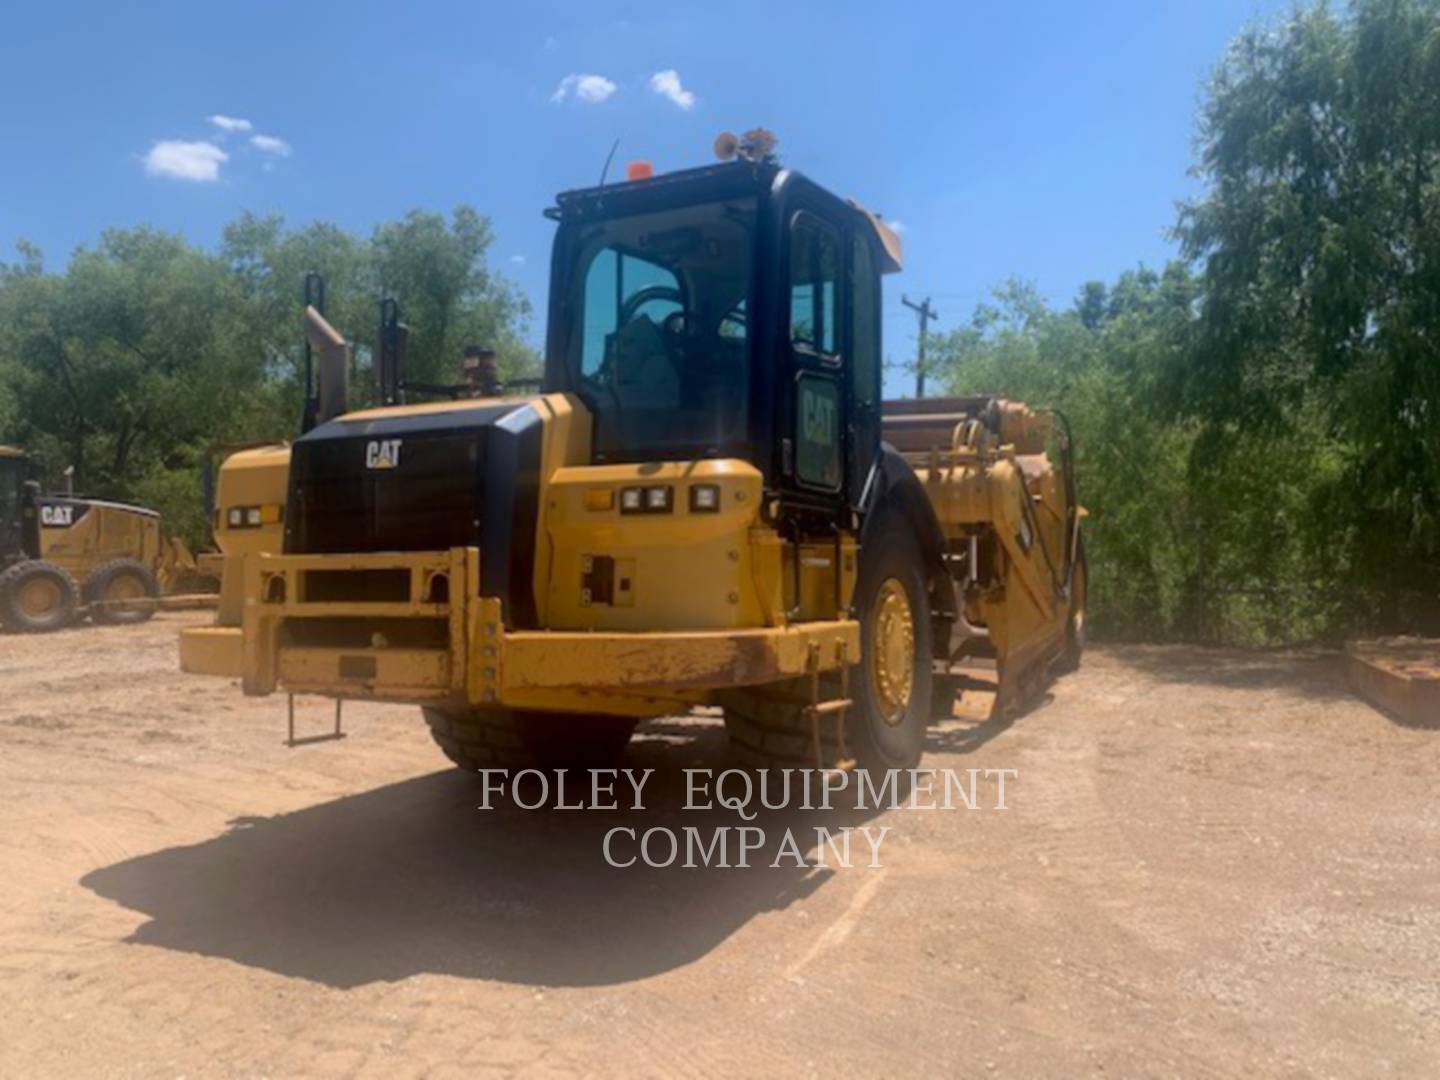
(705, 499)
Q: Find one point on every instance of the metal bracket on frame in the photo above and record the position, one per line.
(331, 736)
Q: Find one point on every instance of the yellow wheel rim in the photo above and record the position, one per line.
(124, 587)
(892, 651)
(40, 597)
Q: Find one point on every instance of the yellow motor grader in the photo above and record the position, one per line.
(705, 503)
(62, 556)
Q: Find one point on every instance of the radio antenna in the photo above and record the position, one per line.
(608, 159)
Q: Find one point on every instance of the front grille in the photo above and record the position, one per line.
(429, 502)
(341, 632)
(357, 586)
(428, 480)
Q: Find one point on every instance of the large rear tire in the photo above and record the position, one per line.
(891, 686)
(514, 739)
(121, 593)
(37, 597)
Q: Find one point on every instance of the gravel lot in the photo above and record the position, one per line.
(1213, 863)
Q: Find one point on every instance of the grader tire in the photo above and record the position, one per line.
(515, 739)
(37, 597)
(891, 686)
(116, 582)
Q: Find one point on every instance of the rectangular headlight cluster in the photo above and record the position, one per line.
(660, 499)
(704, 498)
(253, 517)
(657, 499)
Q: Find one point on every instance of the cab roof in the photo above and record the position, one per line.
(707, 183)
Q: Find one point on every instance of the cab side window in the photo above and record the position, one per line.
(814, 287)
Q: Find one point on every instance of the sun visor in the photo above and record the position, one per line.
(889, 239)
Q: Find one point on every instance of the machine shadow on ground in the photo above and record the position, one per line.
(414, 877)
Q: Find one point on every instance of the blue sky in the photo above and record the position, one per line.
(1044, 140)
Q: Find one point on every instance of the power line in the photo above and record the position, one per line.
(925, 313)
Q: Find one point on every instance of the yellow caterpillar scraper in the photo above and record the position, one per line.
(706, 502)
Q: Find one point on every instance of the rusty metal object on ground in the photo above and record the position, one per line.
(1400, 676)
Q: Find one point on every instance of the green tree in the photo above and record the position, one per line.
(1096, 363)
(435, 268)
(1318, 240)
(270, 263)
(129, 359)
(146, 354)
(448, 296)
(1259, 424)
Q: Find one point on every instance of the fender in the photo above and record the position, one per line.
(894, 489)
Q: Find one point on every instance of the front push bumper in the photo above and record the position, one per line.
(423, 635)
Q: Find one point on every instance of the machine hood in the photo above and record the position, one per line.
(425, 478)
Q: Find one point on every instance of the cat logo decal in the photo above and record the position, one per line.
(383, 454)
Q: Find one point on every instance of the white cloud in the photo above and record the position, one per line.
(270, 145)
(180, 160)
(589, 88)
(518, 260)
(667, 84)
(897, 226)
(230, 123)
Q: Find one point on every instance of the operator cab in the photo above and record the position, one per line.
(731, 311)
(15, 471)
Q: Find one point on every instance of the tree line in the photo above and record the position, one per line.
(147, 355)
(1259, 421)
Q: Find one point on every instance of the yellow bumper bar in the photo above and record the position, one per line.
(213, 650)
(424, 636)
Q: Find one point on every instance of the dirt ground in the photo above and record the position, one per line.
(1213, 863)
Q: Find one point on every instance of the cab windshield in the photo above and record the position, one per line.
(659, 345)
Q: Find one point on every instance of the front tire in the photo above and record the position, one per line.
(515, 739)
(891, 686)
(37, 597)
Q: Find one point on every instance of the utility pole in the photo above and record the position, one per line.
(926, 313)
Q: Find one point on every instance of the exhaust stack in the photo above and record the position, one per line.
(390, 349)
(333, 369)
